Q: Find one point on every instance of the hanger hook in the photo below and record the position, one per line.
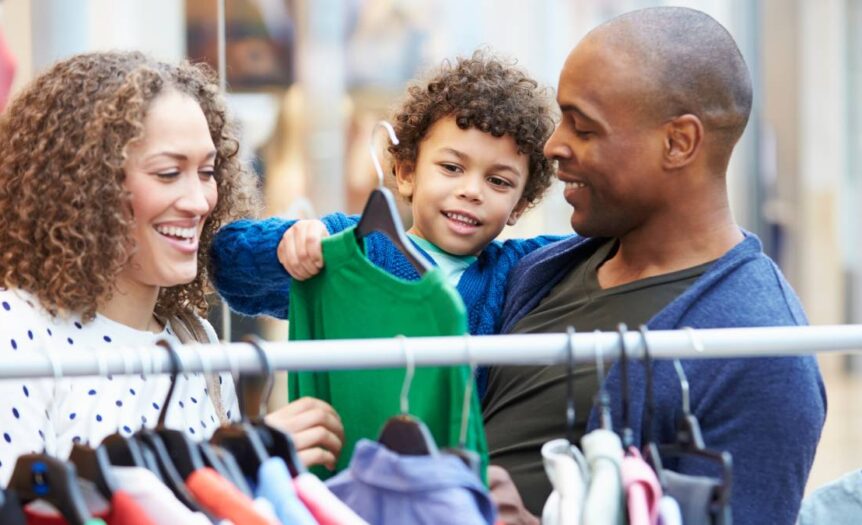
(176, 366)
(627, 436)
(570, 385)
(602, 400)
(408, 375)
(56, 366)
(266, 370)
(372, 147)
(694, 339)
(683, 384)
(468, 393)
(650, 402)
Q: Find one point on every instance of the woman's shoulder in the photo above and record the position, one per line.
(19, 306)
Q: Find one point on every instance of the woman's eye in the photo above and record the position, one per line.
(208, 173)
(168, 175)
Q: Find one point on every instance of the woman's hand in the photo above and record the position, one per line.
(315, 427)
(299, 250)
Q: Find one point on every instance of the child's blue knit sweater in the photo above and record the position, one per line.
(767, 412)
(247, 273)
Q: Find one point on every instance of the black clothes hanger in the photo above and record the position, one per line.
(182, 451)
(217, 460)
(650, 448)
(405, 434)
(627, 435)
(381, 215)
(39, 476)
(176, 456)
(689, 440)
(241, 439)
(254, 397)
(94, 464)
(467, 456)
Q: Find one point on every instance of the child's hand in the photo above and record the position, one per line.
(299, 250)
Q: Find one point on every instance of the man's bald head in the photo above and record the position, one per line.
(690, 65)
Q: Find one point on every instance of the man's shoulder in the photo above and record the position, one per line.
(752, 293)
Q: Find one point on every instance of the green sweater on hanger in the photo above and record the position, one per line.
(352, 299)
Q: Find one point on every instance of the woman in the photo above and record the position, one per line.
(116, 171)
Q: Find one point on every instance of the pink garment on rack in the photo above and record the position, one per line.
(322, 503)
(643, 490)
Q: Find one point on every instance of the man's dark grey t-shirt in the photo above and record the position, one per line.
(524, 406)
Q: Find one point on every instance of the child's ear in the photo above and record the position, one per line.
(404, 175)
(520, 208)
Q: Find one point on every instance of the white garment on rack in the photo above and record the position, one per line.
(160, 504)
(37, 414)
(569, 475)
(669, 512)
(604, 452)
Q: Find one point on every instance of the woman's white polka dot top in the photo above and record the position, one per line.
(51, 415)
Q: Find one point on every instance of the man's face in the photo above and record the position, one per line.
(608, 148)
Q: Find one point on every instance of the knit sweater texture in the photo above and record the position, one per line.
(767, 412)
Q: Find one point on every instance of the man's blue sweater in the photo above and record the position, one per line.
(767, 412)
(247, 273)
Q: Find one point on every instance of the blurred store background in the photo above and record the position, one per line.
(308, 78)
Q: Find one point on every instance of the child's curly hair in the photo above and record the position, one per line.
(486, 93)
(65, 217)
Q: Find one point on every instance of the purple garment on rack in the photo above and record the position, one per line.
(386, 488)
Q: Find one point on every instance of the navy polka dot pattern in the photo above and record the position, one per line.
(43, 414)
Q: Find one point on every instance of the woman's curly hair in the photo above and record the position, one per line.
(65, 217)
(486, 93)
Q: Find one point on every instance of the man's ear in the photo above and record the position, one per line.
(519, 210)
(683, 141)
(404, 177)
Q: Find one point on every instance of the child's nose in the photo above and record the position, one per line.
(471, 189)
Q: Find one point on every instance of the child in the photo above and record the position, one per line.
(469, 160)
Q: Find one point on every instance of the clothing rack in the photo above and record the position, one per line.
(435, 351)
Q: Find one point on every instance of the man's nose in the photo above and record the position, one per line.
(556, 146)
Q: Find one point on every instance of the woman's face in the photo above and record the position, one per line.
(170, 175)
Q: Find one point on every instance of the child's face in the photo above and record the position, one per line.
(466, 186)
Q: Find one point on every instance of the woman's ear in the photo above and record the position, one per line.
(519, 210)
(404, 177)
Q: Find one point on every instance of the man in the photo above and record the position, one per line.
(652, 104)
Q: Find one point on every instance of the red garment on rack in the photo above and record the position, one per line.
(223, 499)
(124, 511)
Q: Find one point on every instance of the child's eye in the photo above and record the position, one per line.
(452, 168)
(500, 182)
